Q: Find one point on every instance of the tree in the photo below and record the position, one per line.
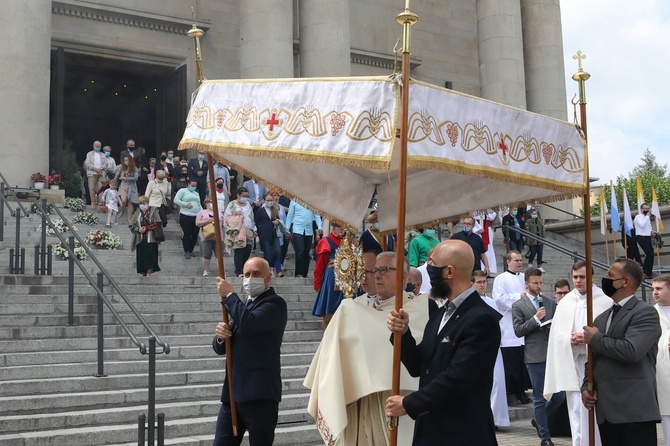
(649, 165)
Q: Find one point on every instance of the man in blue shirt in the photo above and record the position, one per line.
(300, 220)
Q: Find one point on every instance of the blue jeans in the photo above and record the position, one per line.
(515, 244)
(542, 407)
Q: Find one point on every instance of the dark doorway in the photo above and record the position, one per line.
(111, 100)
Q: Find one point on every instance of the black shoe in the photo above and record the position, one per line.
(547, 443)
(522, 398)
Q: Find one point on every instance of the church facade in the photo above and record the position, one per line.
(77, 71)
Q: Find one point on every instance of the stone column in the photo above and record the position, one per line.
(266, 30)
(543, 57)
(324, 38)
(25, 45)
(501, 52)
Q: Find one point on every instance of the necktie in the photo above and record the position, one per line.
(615, 310)
(537, 303)
(249, 302)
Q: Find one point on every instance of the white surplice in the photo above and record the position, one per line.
(663, 371)
(499, 390)
(507, 288)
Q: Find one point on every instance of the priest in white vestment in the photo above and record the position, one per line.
(567, 354)
(661, 293)
(350, 374)
(508, 288)
(498, 391)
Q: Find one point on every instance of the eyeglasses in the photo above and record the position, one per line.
(382, 270)
(561, 293)
(369, 271)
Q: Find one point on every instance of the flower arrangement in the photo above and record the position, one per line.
(103, 239)
(74, 204)
(59, 226)
(55, 179)
(61, 251)
(38, 178)
(36, 209)
(86, 218)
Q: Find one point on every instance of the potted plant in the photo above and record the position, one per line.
(55, 181)
(38, 180)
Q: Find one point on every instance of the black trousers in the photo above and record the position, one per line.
(536, 249)
(201, 187)
(645, 243)
(240, 257)
(191, 231)
(627, 434)
(302, 245)
(257, 417)
(516, 374)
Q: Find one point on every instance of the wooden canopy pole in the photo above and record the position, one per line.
(196, 33)
(406, 19)
(581, 77)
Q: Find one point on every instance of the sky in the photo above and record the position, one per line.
(627, 45)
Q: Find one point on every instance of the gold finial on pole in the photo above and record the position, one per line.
(406, 18)
(581, 76)
(196, 33)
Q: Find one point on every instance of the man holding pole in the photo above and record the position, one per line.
(624, 344)
(455, 359)
(256, 330)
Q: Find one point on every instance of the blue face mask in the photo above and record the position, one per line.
(191, 189)
(201, 157)
(467, 228)
(107, 154)
(243, 200)
(430, 232)
(514, 213)
(376, 225)
(170, 155)
(97, 149)
(533, 216)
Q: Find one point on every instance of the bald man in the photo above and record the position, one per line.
(455, 359)
(256, 329)
(414, 281)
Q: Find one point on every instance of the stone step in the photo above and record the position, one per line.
(17, 405)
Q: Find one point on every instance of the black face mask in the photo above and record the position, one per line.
(607, 285)
(409, 288)
(183, 174)
(435, 274)
(645, 212)
(163, 158)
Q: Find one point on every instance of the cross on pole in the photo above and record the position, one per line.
(579, 57)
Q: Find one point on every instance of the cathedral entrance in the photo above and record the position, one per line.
(113, 100)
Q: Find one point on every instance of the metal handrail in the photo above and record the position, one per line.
(564, 211)
(93, 283)
(26, 213)
(574, 254)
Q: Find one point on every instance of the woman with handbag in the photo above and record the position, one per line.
(159, 192)
(126, 178)
(147, 232)
(188, 201)
(267, 223)
(205, 221)
(240, 228)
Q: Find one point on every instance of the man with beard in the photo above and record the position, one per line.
(454, 360)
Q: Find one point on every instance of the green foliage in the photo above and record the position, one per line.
(69, 169)
(74, 204)
(649, 179)
(648, 165)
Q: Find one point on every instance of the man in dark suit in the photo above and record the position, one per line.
(256, 330)
(624, 341)
(528, 315)
(197, 171)
(455, 359)
(129, 150)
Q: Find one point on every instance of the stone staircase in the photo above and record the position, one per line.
(49, 393)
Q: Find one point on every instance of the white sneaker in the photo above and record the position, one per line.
(542, 269)
(205, 273)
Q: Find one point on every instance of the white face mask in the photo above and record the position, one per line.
(253, 286)
(144, 207)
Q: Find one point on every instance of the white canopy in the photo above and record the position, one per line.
(329, 142)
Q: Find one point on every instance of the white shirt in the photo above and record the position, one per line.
(621, 303)
(97, 160)
(452, 306)
(642, 225)
(507, 288)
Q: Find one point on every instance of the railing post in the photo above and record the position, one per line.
(37, 260)
(43, 244)
(101, 333)
(49, 259)
(17, 250)
(2, 211)
(161, 429)
(22, 256)
(11, 261)
(152, 388)
(141, 425)
(70, 283)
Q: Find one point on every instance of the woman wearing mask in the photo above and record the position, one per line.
(126, 177)
(240, 228)
(221, 194)
(267, 224)
(143, 170)
(188, 201)
(144, 220)
(207, 245)
(159, 192)
(180, 182)
(535, 226)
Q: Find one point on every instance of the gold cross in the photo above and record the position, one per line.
(579, 57)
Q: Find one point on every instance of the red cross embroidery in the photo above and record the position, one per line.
(272, 122)
(503, 147)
